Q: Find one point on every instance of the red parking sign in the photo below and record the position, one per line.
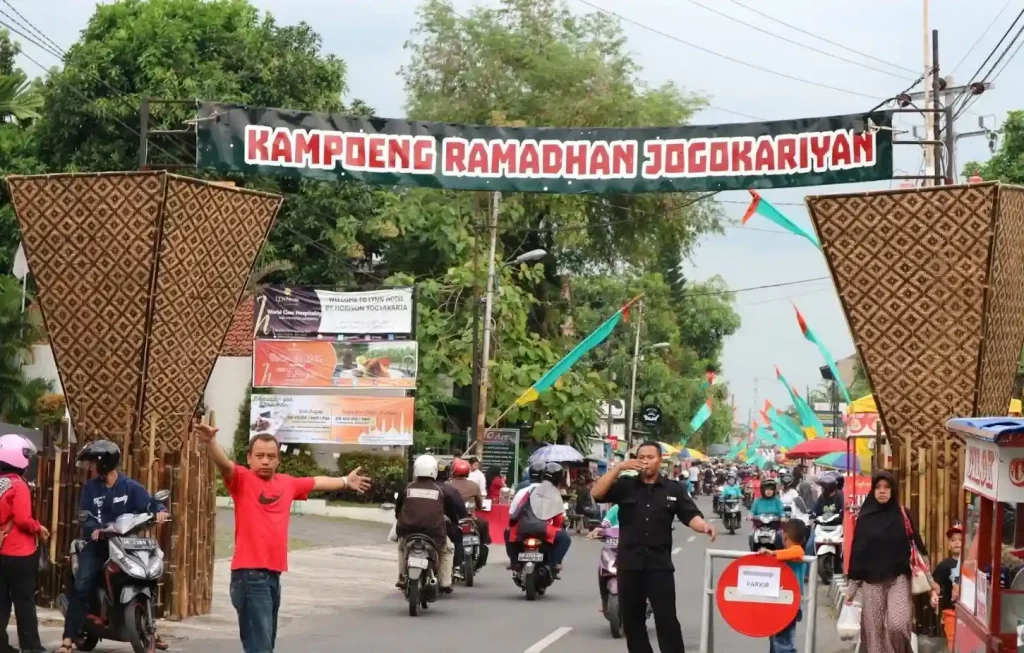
(758, 596)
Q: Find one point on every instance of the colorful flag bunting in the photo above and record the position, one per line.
(561, 367)
(808, 417)
(761, 207)
(826, 354)
(701, 416)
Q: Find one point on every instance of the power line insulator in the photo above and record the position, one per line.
(942, 84)
(977, 88)
(903, 100)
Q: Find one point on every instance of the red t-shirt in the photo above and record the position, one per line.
(16, 515)
(262, 509)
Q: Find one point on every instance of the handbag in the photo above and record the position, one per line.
(920, 578)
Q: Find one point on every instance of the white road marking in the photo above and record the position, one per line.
(549, 640)
(677, 550)
(691, 538)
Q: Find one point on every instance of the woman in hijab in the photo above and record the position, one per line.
(880, 569)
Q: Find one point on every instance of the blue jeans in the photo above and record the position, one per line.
(560, 548)
(785, 642)
(90, 567)
(256, 595)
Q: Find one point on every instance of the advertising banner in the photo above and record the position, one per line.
(333, 418)
(334, 364)
(302, 311)
(336, 147)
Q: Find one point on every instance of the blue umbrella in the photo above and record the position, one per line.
(684, 454)
(556, 453)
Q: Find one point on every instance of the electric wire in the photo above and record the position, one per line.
(983, 35)
(797, 43)
(721, 55)
(964, 97)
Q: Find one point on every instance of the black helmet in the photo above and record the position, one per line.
(553, 472)
(104, 453)
(769, 483)
(830, 481)
(536, 471)
(787, 481)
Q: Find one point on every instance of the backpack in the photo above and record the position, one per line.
(530, 525)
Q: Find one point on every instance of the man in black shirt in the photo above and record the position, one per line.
(648, 502)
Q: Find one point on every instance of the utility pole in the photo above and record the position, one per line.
(950, 137)
(481, 417)
(929, 118)
(632, 386)
(936, 105)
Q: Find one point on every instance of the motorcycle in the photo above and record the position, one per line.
(608, 583)
(421, 581)
(532, 574)
(707, 487)
(731, 519)
(748, 497)
(474, 552)
(122, 607)
(716, 501)
(766, 529)
(828, 544)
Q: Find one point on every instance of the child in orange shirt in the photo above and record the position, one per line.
(794, 536)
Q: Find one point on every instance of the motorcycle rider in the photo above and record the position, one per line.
(731, 488)
(469, 491)
(791, 497)
(420, 509)
(542, 514)
(768, 503)
(831, 500)
(451, 527)
(106, 496)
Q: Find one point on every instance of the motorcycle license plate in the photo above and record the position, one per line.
(418, 563)
(138, 543)
(531, 556)
(470, 539)
(765, 535)
(611, 541)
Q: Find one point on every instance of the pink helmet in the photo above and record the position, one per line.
(15, 450)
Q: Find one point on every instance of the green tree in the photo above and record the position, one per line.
(1007, 164)
(18, 395)
(220, 50)
(534, 62)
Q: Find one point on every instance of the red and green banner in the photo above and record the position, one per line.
(336, 147)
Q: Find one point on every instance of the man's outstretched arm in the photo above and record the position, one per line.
(208, 435)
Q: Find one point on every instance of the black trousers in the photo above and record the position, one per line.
(18, 588)
(659, 587)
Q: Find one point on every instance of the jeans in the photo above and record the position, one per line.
(90, 565)
(18, 587)
(455, 537)
(784, 642)
(256, 595)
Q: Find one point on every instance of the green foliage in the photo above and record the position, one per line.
(387, 472)
(1007, 164)
(240, 440)
(19, 397)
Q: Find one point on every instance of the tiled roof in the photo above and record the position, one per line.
(239, 339)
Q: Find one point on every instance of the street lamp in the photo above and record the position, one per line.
(480, 369)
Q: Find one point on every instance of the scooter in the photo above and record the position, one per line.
(474, 552)
(716, 501)
(707, 487)
(421, 581)
(532, 574)
(748, 497)
(122, 608)
(828, 544)
(608, 581)
(731, 517)
(766, 530)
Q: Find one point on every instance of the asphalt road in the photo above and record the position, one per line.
(495, 617)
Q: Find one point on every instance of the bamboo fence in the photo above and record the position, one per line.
(186, 588)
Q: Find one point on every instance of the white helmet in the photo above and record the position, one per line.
(425, 466)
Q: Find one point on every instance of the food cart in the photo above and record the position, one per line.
(990, 606)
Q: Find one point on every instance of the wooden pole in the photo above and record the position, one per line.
(152, 454)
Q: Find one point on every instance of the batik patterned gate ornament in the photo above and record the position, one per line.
(932, 284)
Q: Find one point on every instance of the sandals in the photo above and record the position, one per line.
(64, 648)
(160, 644)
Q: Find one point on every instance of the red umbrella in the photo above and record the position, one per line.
(817, 448)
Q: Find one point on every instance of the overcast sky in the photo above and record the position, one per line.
(369, 35)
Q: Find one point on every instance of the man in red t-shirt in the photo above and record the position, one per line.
(263, 502)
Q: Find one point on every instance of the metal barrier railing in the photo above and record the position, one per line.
(808, 598)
